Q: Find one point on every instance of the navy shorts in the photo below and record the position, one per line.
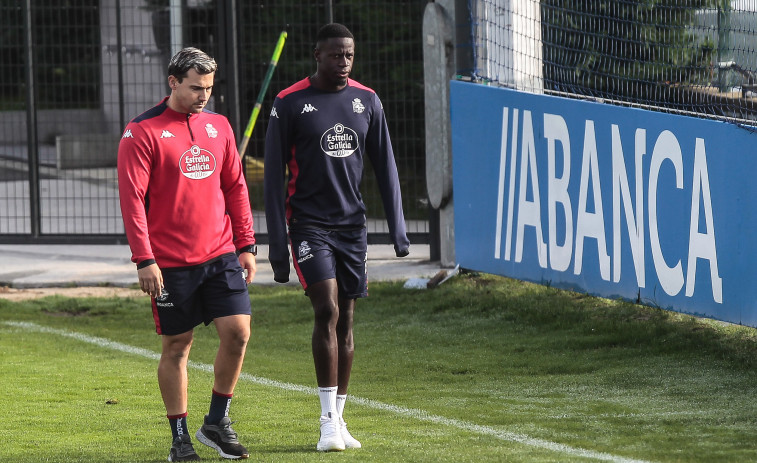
(320, 254)
(194, 295)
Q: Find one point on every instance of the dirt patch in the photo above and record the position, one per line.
(21, 294)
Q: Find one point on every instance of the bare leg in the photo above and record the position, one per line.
(233, 333)
(172, 372)
(345, 343)
(323, 296)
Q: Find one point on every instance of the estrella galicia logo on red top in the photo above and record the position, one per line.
(339, 141)
(197, 163)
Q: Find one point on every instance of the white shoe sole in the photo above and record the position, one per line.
(330, 447)
(352, 445)
(205, 440)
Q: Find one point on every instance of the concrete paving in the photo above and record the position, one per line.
(40, 266)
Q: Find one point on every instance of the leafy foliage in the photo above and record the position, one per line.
(623, 50)
(66, 44)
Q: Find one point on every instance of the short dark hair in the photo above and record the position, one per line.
(191, 58)
(333, 31)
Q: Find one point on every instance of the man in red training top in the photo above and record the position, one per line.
(187, 217)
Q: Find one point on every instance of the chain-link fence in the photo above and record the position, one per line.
(76, 71)
(696, 57)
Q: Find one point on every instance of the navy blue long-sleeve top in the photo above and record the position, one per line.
(322, 139)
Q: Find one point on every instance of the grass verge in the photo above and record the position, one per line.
(481, 369)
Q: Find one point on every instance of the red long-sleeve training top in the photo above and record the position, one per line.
(183, 195)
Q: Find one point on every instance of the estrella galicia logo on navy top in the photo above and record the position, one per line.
(339, 141)
(197, 163)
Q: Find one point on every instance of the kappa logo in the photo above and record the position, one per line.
(167, 134)
(128, 134)
(212, 132)
(308, 108)
(274, 113)
(357, 106)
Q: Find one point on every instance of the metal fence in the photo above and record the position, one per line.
(697, 57)
(76, 71)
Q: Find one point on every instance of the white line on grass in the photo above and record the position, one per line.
(407, 412)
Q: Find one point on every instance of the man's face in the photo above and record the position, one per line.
(192, 93)
(335, 57)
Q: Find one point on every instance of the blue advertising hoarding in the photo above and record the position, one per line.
(612, 201)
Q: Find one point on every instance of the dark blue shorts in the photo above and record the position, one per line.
(325, 254)
(195, 295)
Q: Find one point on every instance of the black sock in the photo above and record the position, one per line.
(178, 424)
(219, 407)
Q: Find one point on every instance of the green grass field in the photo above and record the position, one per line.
(481, 369)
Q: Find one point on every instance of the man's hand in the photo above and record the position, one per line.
(151, 280)
(247, 261)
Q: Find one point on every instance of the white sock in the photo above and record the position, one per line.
(328, 401)
(340, 400)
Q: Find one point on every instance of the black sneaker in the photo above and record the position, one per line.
(182, 449)
(222, 438)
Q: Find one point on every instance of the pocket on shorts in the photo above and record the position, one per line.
(235, 279)
(232, 274)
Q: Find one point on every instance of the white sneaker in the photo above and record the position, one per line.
(349, 441)
(331, 437)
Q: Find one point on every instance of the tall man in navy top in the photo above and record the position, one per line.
(320, 129)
